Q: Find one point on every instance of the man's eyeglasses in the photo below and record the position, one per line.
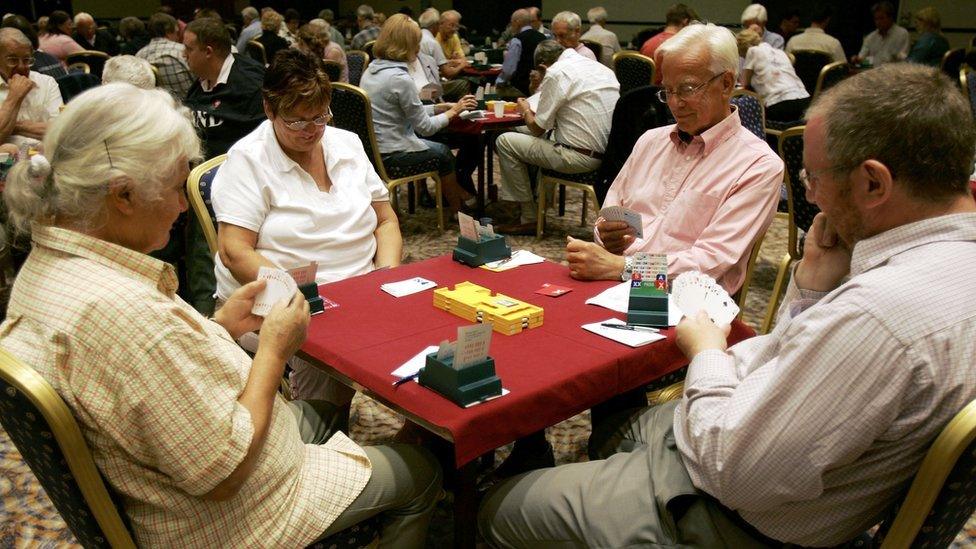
(319, 121)
(685, 91)
(12, 61)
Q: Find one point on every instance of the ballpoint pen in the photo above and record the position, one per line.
(403, 380)
(629, 327)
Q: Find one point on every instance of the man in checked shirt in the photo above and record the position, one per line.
(809, 434)
(165, 52)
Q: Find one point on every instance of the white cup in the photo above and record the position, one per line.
(499, 109)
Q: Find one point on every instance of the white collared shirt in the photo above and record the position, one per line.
(816, 39)
(576, 98)
(41, 104)
(893, 46)
(222, 76)
(260, 189)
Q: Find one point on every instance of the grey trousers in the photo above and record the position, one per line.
(640, 496)
(404, 485)
(517, 151)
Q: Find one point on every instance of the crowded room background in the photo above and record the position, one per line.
(223, 223)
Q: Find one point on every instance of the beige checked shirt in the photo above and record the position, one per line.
(154, 386)
(812, 432)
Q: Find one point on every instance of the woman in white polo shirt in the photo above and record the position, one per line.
(295, 191)
(768, 71)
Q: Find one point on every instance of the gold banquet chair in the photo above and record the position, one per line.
(255, 50)
(48, 437)
(633, 70)
(94, 59)
(198, 186)
(352, 112)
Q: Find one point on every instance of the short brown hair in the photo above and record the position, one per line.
(909, 117)
(399, 39)
(295, 78)
(161, 24)
(212, 33)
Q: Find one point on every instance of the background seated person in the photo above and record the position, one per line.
(513, 80)
(399, 115)
(769, 72)
(28, 100)
(890, 41)
(56, 39)
(931, 44)
(270, 24)
(706, 187)
(294, 191)
(130, 69)
(182, 423)
(316, 36)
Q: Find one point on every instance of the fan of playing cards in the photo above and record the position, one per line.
(693, 291)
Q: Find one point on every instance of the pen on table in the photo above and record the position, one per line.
(403, 380)
(628, 327)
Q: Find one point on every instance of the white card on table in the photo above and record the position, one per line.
(415, 364)
(407, 287)
(472, 344)
(630, 217)
(617, 298)
(517, 259)
(633, 338)
(280, 286)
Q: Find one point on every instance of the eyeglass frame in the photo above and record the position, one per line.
(18, 60)
(808, 177)
(319, 121)
(663, 94)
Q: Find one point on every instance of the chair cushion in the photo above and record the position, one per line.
(589, 178)
(633, 73)
(401, 171)
(751, 114)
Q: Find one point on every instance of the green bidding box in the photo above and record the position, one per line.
(462, 386)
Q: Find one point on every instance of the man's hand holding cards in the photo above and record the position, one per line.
(693, 291)
(280, 286)
(619, 227)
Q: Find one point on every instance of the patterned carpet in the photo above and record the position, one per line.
(27, 518)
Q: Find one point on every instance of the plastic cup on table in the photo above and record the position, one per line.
(499, 107)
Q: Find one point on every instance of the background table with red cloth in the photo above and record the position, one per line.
(489, 73)
(485, 128)
(552, 372)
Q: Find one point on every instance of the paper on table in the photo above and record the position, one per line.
(519, 258)
(415, 364)
(616, 298)
(634, 338)
(407, 287)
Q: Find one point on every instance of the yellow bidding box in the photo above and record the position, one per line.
(469, 301)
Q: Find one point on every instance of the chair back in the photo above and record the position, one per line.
(368, 48)
(801, 212)
(952, 60)
(967, 78)
(255, 50)
(751, 111)
(743, 293)
(74, 83)
(830, 75)
(78, 66)
(633, 70)
(356, 61)
(808, 65)
(334, 70)
(48, 437)
(942, 495)
(637, 111)
(95, 60)
(351, 111)
(155, 70)
(595, 47)
(198, 186)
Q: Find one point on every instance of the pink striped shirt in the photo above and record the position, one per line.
(813, 431)
(704, 202)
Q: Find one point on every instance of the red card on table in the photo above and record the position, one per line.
(553, 290)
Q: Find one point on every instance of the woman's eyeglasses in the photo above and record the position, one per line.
(299, 125)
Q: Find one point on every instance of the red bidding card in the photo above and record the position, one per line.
(553, 290)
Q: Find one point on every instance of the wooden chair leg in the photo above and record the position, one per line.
(541, 213)
(586, 196)
(411, 196)
(779, 286)
(562, 200)
(439, 200)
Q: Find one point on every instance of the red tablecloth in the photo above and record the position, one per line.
(553, 372)
(471, 71)
(490, 122)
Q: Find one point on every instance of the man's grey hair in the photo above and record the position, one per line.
(521, 17)
(451, 14)
(326, 14)
(320, 27)
(718, 41)
(571, 19)
(131, 69)
(597, 15)
(755, 12)
(547, 52)
(10, 35)
(82, 16)
(909, 117)
(429, 18)
(365, 12)
(249, 14)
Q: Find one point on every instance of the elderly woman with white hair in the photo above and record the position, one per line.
(183, 424)
(769, 72)
(130, 69)
(755, 14)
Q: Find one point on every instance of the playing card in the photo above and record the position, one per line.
(553, 290)
(280, 286)
(720, 306)
(693, 291)
(468, 226)
(630, 217)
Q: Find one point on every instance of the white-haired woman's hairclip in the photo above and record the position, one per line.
(39, 168)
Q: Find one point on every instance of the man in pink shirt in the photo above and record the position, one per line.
(706, 187)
